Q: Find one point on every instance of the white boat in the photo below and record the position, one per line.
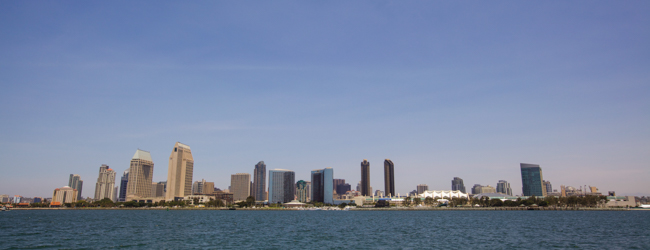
(644, 206)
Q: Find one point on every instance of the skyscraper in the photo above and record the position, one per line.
(338, 182)
(531, 180)
(457, 184)
(365, 178)
(240, 186)
(322, 185)
(157, 189)
(140, 176)
(421, 188)
(105, 183)
(123, 183)
(504, 187)
(281, 185)
(76, 183)
(301, 191)
(180, 171)
(389, 178)
(548, 186)
(259, 181)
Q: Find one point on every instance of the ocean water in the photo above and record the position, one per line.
(201, 229)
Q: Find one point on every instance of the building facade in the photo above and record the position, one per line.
(124, 181)
(548, 186)
(105, 183)
(158, 189)
(365, 178)
(458, 185)
(140, 176)
(389, 178)
(301, 191)
(532, 180)
(240, 186)
(180, 172)
(322, 185)
(421, 188)
(64, 195)
(259, 181)
(76, 183)
(281, 185)
(504, 187)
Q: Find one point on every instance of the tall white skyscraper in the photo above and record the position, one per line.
(105, 183)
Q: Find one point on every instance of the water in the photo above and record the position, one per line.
(160, 229)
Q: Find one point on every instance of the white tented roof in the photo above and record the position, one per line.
(143, 155)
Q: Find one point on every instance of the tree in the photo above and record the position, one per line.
(496, 202)
(417, 201)
(250, 201)
(428, 201)
(407, 201)
(106, 202)
(342, 205)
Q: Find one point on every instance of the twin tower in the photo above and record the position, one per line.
(389, 178)
(179, 174)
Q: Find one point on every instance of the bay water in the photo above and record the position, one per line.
(210, 229)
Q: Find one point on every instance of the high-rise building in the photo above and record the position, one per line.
(76, 183)
(123, 183)
(341, 189)
(208, 188)
(140, 176)
(476, 189)
(115, 193)
(180, 171)
(4, 198)
(240, 186)
(281, 185)
(421, 188)
(322, 181)
(301, 191)
(504, 187)
(548, 187)
(338, 182)
(199, 187)
(365, 178)
(531, 180)
(389, 178)
(64, 195)
(158, 189)
(259, 181)
(105, 183)
(457, 185)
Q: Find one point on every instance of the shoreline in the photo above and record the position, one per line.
(361, 209)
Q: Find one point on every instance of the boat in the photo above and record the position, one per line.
(644, 206)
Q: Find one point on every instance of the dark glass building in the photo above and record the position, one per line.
(389, 178)
(532, 180)
(457, 185)
(321, 185)
(123, 182)
(365, 178)
(259, 181)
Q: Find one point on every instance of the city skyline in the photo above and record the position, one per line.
(469, 90)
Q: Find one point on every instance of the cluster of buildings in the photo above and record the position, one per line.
(136, 184)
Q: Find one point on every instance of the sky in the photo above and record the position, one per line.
(443, 89)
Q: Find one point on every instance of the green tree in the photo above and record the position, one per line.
(428, 201)
(342, 205)
(417, 201)
(407, 201)
(250, 201)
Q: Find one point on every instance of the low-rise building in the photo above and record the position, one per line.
(442, 194)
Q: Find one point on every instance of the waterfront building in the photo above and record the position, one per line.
(208, 188)
(123, 183)
(421, 188)
(240, 186)
(548, 186)
(64, 195)
(443, 194)
(37, 199)
(157, 189)
(341, 189)
(322, 181)
(105, 183)
(504, 188)
(457, 185)
(531, 180)
(476, 189)
(116, 191)
(301, 191)
(17, 199)
(180, 172)
(281, 185)
(389, 178)
(338, 182)
(140, 176)
(4, 198)
(76, 183)
(259, 181)
(366, 190)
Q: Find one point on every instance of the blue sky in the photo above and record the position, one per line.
(444, 89)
